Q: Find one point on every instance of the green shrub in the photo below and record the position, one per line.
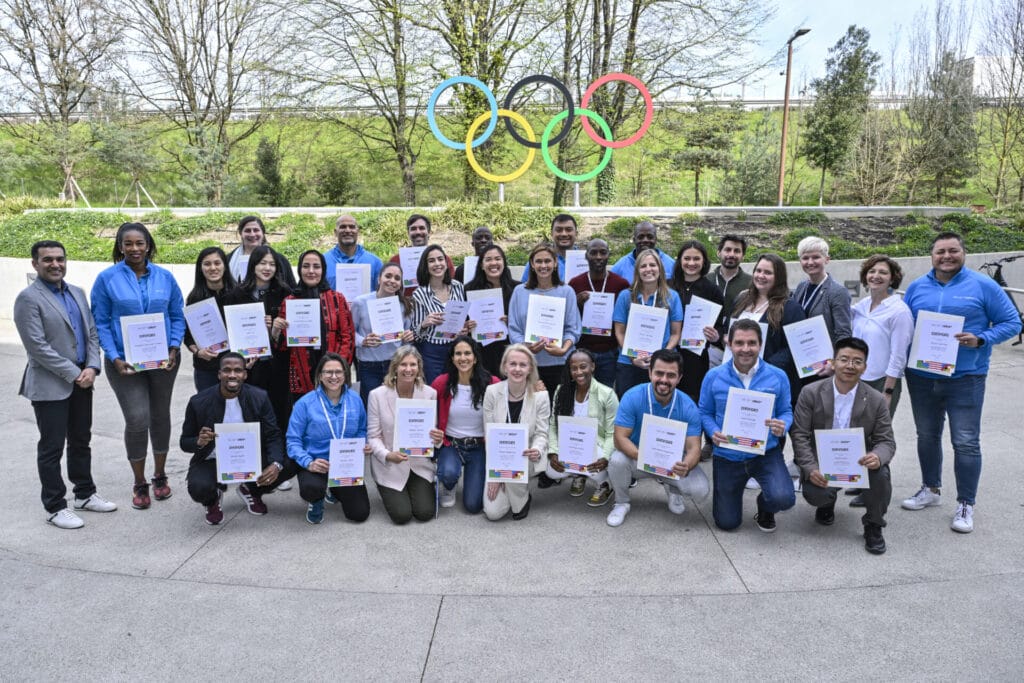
(177, 229)
(792, 238)
(79, 232)
(784, 218)
(12, 206)
(622, 228)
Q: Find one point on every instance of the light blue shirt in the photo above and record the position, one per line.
(517, 309)
(621, 314)
(335, 256)
(626, 266)
(640, 401)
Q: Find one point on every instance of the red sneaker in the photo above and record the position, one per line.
(161, 491)
(214, 515)
(253, 501)
(140, 499)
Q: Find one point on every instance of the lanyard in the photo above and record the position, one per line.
(344, 413)
(604, 283)
(643, 302)
(650, 403)
(810, 295)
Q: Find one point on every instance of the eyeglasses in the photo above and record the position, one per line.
(854, 362)
(333, 373)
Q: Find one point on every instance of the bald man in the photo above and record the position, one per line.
(348, 250)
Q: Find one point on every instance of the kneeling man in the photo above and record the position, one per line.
(844, 402)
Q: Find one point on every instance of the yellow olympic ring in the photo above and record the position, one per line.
(509, 177)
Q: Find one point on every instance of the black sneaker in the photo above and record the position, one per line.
(525, 511)
(545, 482)
(765, 521)
(873, 541)
(825, 515)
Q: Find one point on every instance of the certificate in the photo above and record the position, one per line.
(469, 268)
(838, 453)
(746, 415)
(455, 313)
(303, 317)
(347, 462)
(645, 330)
(409, 259)
(575, 264)
(145, 341)
(247, 329)
(239, 455)
(206, 325)
(352, 280)
(486, 309)
(545, 319)
(809, 344)
(662, 444)
(414, 418)
(504, 445)
(577, 443)
(598, 311)
(697, 315)
(727, 352)
(386, 319)
(935, 347)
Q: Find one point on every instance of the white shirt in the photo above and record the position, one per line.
(581, 409)
(747, 378)
(232, 415)
(465, 421)
(843, 407)
(888, 331)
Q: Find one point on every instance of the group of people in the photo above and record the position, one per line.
(301, 396)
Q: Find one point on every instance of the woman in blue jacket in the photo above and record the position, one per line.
(133, 286)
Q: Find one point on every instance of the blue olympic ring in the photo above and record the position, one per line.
(491, 101)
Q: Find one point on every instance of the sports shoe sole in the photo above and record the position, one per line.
(246, 504)
(916, 507)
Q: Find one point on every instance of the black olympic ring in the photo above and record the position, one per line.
(557, 84)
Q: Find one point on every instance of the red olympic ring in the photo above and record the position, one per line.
(648, 115)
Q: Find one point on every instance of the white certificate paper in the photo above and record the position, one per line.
(504, 445)
(303, 317)
(577, 443)
(662, 445)
(347, 462)
(386, 318)
(414, 418)
(352, 280)
(239, 455)
(469, 268)
(575, 264)
(206, 325)
(545, 319)
(409, 259)
(746, 415)
(645, 330)
(486, 309)
(809, 344)
(598, 311)
(455, 314)
(838, 453)
(247, 329)
(697, 315)
(145, 341)
(935, 347)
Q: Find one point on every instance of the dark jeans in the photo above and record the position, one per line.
(961, 399)
(371, 375)
(66, 421)
(434, 358)
(203, 486)
(355, 502)
(876, 496)
(605, 363)
(450, 462)
(551, 375)
(418, 499)
(628, 376)
(204, 379)
(730, 479)
(492, 354)
(897, 391)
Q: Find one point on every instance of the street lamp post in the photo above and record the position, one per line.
(785, 109)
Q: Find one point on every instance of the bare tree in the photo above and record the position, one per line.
(1003, 130)
(51, 55)
(211, 67)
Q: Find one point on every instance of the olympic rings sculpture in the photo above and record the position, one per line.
(548, 137)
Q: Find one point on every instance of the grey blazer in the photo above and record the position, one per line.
(49, 341)
(832, 302)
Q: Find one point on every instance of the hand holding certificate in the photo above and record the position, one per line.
(545, 319)
(810, 345)
(662, 445)
(747, 414)
(303, 322)
(935, 345)
(414, 418)
(486, 309)
(386, 318)
(645, 330)
(598, 312)
(347, 462)
(504, 445)
(455, 313)
(839, 454)
(247, 329)
(145, 341)
(238, 450)
(206, 325)
(697, 315)
(577, 443)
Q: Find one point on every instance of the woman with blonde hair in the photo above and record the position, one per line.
(516, 401)
(405, 483)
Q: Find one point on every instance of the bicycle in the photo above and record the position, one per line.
(994, 270)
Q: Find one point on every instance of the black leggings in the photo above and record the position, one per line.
(355, 502)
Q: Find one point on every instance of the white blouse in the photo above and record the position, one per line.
(888, 331)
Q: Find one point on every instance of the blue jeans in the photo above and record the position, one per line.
(450, 461)
(435, 356)
(730, 479)
(605, 370)
(960, 398)
(371, 375)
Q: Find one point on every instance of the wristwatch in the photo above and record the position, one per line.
(981, 342)
(889, 390)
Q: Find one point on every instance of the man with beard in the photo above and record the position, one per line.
(418, 228)
(563, 236)
(730, 279)
(600, 280)
(348, 250)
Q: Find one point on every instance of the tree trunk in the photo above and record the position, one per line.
(408, 167)
(821, 188)
(606, 184)
(696, 186)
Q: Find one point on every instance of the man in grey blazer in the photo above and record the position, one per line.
(844, 402)
(59, 335)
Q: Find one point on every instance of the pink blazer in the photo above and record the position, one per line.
(380, 426)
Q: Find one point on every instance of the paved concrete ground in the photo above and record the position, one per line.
(159, 594)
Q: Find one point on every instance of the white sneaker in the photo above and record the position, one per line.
(752, 484)
(793, 469)
(95, 503)
(796, 484)
(676, 504)
(285, 486)
(963, 520)
(446, 496)
(618, 514)
(66, 519)
(925, 498)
